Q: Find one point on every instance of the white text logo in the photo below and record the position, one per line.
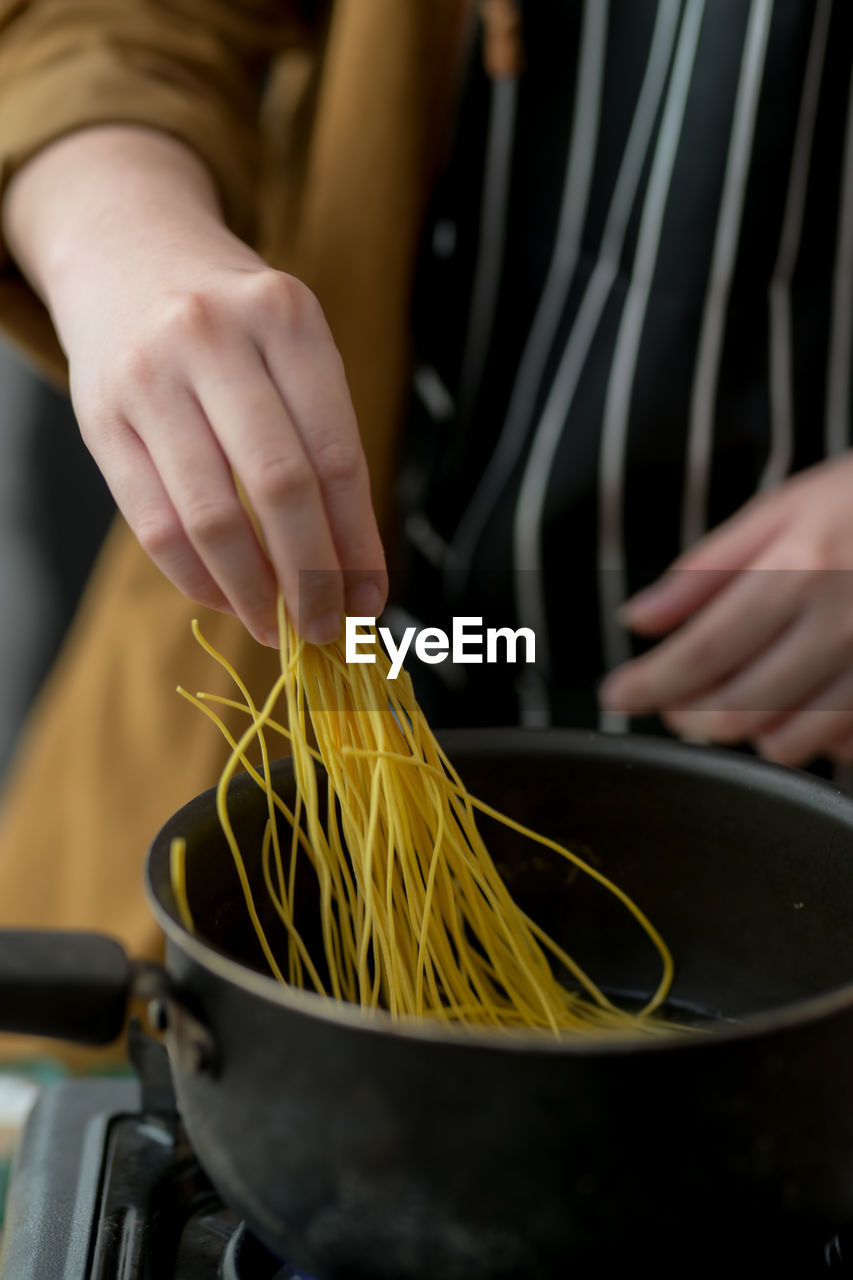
(466, 643)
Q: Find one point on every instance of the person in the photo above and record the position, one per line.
(632, 313)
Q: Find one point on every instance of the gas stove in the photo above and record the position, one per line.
(106, 1187)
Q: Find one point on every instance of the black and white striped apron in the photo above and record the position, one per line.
(634, 310)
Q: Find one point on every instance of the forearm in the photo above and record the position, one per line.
(103, 196)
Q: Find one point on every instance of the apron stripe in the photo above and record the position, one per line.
(694, 516)
(837, 426)
(611, 549)
(531, 603)
(582, 144)
(781, 389)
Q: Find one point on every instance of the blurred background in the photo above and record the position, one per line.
(54, 512)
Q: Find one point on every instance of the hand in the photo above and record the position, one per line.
(761, 612)
(191, 362)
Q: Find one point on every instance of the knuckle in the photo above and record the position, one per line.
(158, 533)
(136, 366)
(187, 316)
(209, 521)
(287, 301)
(280, 479)
(338, 463)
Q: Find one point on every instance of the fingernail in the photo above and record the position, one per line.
(264, 635)
(365, 600)
(323, 630)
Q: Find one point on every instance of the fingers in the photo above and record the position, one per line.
(174, 485)
(205, 406)
(739, 623)
(305, 477)
(803, 660)
(666, 603)
(699, 574)
(199, 482)
(790, 693)
(261, 443)
(278, 403)
(822, 726)
(764, 649)
(740, 539)
(145, 505)
(319, 403)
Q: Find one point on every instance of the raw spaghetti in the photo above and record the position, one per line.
(415, 917)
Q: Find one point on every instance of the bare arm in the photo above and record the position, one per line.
(191, 358)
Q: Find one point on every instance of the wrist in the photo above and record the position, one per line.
(100, 201)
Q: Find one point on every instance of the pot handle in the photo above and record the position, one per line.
(68, 985)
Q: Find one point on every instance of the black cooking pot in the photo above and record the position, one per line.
(358, 1147)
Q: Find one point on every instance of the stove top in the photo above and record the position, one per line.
(103, 1191)
(106, 1187)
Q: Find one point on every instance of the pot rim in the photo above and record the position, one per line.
(715, 762)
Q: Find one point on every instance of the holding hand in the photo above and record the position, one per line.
(191, 362)
(761, 620)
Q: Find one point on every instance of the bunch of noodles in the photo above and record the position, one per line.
(415, 917)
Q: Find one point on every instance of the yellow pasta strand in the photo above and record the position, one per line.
(413, 914)
(178, 873)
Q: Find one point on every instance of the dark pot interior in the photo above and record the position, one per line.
(745, 869)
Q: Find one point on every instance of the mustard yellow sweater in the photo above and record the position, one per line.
(322, 124)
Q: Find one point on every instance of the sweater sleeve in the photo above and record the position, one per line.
(192, 68)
